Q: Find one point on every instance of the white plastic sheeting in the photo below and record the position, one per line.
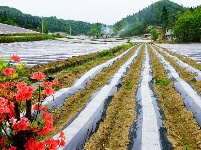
(85, 123)
(147, 131)
(59, 97)
(184, 65)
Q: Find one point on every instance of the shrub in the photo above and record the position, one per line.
(19, 130)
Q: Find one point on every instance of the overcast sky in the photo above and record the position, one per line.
(93, 11)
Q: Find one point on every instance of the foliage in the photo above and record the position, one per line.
(95, 30)
(154, 34)
(25, 37)
(164, 17)
(105, 53)
(18, 130)
(163, 82)
(151, 15)
(136, 29)
(188, 26)
(15, 17)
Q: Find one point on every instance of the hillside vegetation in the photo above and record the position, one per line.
(188, 26)
(15, 17)
(162, 13)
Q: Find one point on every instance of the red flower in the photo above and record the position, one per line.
(52, 144)
(55, 81)
(33, 145)
(9, 71)
(22, 124)
(61, 134)
(49, 91)
(21, 85)
(11, 148)
(15, 58)
(24, 93)
(6, 109)
(62, 142)
(7, 85)
(44, 108)
(38, 75)
(36, 106)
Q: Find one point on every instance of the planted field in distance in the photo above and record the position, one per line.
(139, 97)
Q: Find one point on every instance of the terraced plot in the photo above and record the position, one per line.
(145, 98)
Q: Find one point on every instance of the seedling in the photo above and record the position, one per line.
(163, 82)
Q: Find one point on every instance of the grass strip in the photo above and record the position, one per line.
(113, 132)
(182, 129)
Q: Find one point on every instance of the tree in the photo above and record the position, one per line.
(188, 26)
(154, 34)
(164, 18)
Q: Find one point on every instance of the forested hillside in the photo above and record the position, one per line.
(162, 13)
(15, 17)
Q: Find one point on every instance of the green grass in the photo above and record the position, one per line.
(25, 37)
(163, 82)
(128, 84)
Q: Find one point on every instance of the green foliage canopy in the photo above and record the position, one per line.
(154, 34)
(188, 26)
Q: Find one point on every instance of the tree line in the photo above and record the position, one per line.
(52, 24)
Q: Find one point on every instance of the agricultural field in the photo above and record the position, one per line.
(136, 96)
(41, 52)
(146, 97)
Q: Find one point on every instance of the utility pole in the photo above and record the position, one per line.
(42, 24)
(70, 30)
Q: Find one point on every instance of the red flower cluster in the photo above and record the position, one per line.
(38, 76)
(16, 58)
(9, 71)
(6, 109)
(19, 131)
(24, 92)
(23, 124)
(50, 144)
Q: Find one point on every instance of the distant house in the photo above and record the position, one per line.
(147, 36)
(168, 33)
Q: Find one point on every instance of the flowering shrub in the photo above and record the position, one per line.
(18, 128)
